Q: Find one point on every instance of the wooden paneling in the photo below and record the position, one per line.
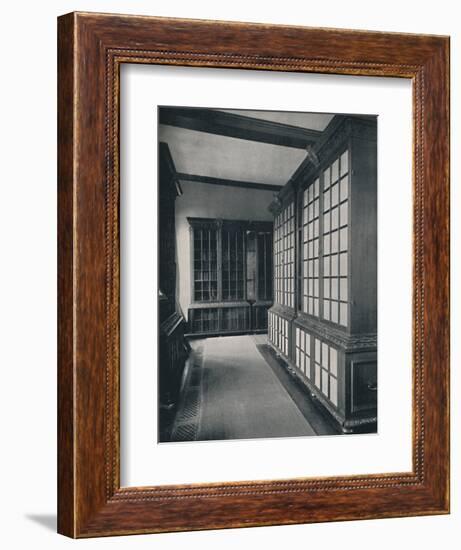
(364, 238)
(172, 349)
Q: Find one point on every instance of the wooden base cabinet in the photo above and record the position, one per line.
(228, 318)
(173, 352)
(340, 372)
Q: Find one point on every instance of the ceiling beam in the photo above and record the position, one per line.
(238, 126)
(228, 183)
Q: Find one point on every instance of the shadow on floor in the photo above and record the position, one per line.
(48, 521)
(306, 403)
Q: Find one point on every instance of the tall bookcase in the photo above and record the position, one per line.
(231, 276)
(173, 349)
(324, 318)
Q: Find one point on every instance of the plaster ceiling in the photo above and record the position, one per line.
(205, 154)
(310, 121)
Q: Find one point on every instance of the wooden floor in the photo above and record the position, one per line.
(231, 391)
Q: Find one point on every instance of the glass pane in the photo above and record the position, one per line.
(307, 366)
(343, 290)
(343, 239)
(326, 267)
(334, 218)
(317, 350)
(334, 312)
(333, 361)
(334, 242)
(334, 391)
(324, 355)
(326, 178)
(326, 309)
(325, 382)
(343, 314)
(343, 264)
(344, 162)
(326, 222)
(334, 265)
(326, 244)
(344, 191)
(343, 214)
(334, 194)
(334, 289)
(326, 288)
(317, 375)
(316, 188)
(335, 171)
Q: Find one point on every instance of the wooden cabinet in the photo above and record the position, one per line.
(324, 319)
(172, 346)
(231, 283)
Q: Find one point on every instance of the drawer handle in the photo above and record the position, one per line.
(372, 386)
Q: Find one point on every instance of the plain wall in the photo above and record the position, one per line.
(28, 275)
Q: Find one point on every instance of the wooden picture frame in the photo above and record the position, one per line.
(92, 48)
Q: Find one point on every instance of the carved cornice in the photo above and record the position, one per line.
(336, 335)
(285, 312)
(325, 331)
(275, 207)
(258, 226)
(334, 137)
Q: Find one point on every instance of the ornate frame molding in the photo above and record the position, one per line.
(91, 49)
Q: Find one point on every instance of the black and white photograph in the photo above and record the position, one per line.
(229, 235)
(267, 291)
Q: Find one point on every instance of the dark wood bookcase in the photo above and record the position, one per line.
(172, 346)
(323, 322)
(231, 276)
